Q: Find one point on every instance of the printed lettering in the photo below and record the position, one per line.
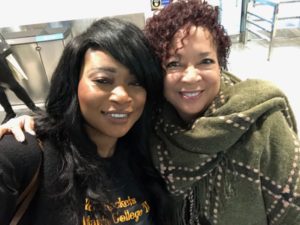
(88, 206)
(125, 203)
(122, 215)
(127, 216)
(146, 206)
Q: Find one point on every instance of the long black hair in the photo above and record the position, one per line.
(62, 123)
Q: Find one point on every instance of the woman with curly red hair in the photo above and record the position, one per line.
(227, 149)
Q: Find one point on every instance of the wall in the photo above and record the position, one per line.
(19, 12)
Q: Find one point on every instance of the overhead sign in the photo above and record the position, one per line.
(158, 4)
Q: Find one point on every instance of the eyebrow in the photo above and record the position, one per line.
(204, 54)
(179, 56)
(103, 69)
(111, 71)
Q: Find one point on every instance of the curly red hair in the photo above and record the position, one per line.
(160, 28)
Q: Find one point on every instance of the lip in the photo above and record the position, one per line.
(191, 95)
(117, 116)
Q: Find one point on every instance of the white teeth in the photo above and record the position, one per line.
(119, 115)
(191, 94)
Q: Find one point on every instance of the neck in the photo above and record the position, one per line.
(106, 146)
(106, 151)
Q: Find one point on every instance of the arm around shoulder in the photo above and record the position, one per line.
(18, 126)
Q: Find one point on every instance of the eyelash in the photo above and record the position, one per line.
(174, 64)
(207, 61)
(110, 81)
(135, 83)
(103, 81)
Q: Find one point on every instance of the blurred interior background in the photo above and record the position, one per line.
(265, 36)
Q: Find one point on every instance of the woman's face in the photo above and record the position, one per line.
(111, 99)
(192, 78)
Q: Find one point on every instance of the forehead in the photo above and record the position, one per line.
(97, 57)
(192, 36)
(96, 60)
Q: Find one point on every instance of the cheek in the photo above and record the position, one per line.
(141, 99)
(215, 82)
(171, 78)
(169, 85)
(81, 91)
(85, 96)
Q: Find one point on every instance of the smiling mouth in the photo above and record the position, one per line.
(116, 115)
(190, 94)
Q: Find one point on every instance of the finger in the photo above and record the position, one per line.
(18, 133)
(4, 130)
(29, 125)
(15, 127)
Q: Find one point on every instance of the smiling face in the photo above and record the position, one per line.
(192, 73)
(111, 99)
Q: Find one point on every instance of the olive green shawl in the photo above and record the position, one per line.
(238, 163)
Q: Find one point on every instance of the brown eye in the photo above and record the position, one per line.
(104, 81)
(207, 61)
(135, 83)
(171, 65)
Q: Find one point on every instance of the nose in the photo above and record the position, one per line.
(191, 75)
(120, 95)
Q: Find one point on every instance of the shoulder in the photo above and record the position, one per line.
(19, 160)
(250, 84)
(254, 92)
(14, 149)
(260, 87)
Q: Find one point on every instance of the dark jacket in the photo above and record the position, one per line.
(18, 163)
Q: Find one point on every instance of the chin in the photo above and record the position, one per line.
(120, 134)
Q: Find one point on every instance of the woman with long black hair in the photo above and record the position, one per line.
(95, 164)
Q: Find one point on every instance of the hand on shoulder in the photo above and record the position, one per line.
(17, 126)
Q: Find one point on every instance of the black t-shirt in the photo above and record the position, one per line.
(132, 207)
(18, 163)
